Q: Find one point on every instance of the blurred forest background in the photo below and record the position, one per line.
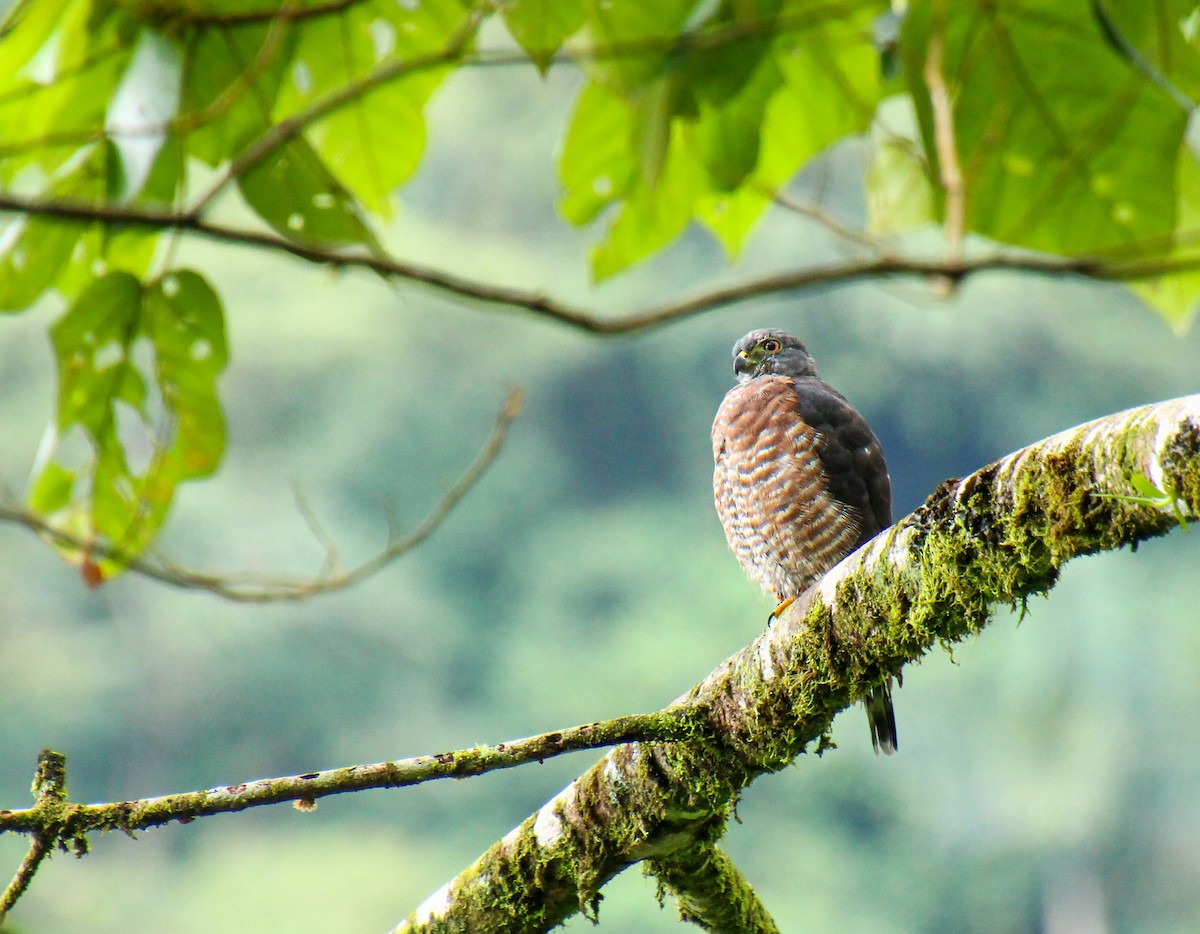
(1047, 774)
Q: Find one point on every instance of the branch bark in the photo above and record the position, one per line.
(531, 301)
(992, 538)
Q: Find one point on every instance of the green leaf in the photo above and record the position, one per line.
(1148, 494)
(830, 88)
(728, 132)
(225, 102)
(541, 26)
(1176, 296)
(92, 346)
(293, 191)
(104, 345)
(1063, 146)
(626, 25)
(375, 141)
(33, 252)
(186, 328)
(1158, 37)
(650, 219)
(52, 489)
(54, 103)
(597, 166)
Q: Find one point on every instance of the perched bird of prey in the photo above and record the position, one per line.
(800, 481)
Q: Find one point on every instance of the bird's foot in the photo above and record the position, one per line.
(783, 605)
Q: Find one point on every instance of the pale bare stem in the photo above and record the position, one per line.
(945, 141)
(250, 588)
(74, 821)
(332, 561)
(826, 219)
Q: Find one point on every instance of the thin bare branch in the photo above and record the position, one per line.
(250, 588)
(1112, 268)
(826, 219)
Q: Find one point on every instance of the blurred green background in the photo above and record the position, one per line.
(1045, 782)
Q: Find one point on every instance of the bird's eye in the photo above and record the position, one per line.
(772, 346)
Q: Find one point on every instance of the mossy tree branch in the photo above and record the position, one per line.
(711, 891)
(993, 538)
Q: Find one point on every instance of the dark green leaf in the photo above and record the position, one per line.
(293, 191)
(1063, 146)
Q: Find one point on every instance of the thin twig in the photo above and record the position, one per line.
(50, 791)
(825, 218)
(39, 849)
(1115, 269)
(262, 589)
(669, 725)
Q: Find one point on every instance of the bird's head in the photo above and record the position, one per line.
(771, 351)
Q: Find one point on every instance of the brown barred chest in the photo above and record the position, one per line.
(770, 491)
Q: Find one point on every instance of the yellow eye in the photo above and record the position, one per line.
(771, 345)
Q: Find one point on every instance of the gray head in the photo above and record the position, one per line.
(769, 350)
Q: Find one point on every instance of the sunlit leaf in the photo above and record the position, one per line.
(293, 191)
(186, 328)
(1063, 146)
(625, 26)
(138, 367)
(374, 141)
(55, 102)
(541, 26)
(52, 489)
(1176, 296)
(650, 219)
(597, 164)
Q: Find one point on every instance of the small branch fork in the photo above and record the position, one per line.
(258, 589)
(55, 822)
(50, 791)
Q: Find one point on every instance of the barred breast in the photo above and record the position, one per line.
(799, 480)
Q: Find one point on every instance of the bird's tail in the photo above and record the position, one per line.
(882, 718)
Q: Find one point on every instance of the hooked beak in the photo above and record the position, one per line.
(741, 362)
